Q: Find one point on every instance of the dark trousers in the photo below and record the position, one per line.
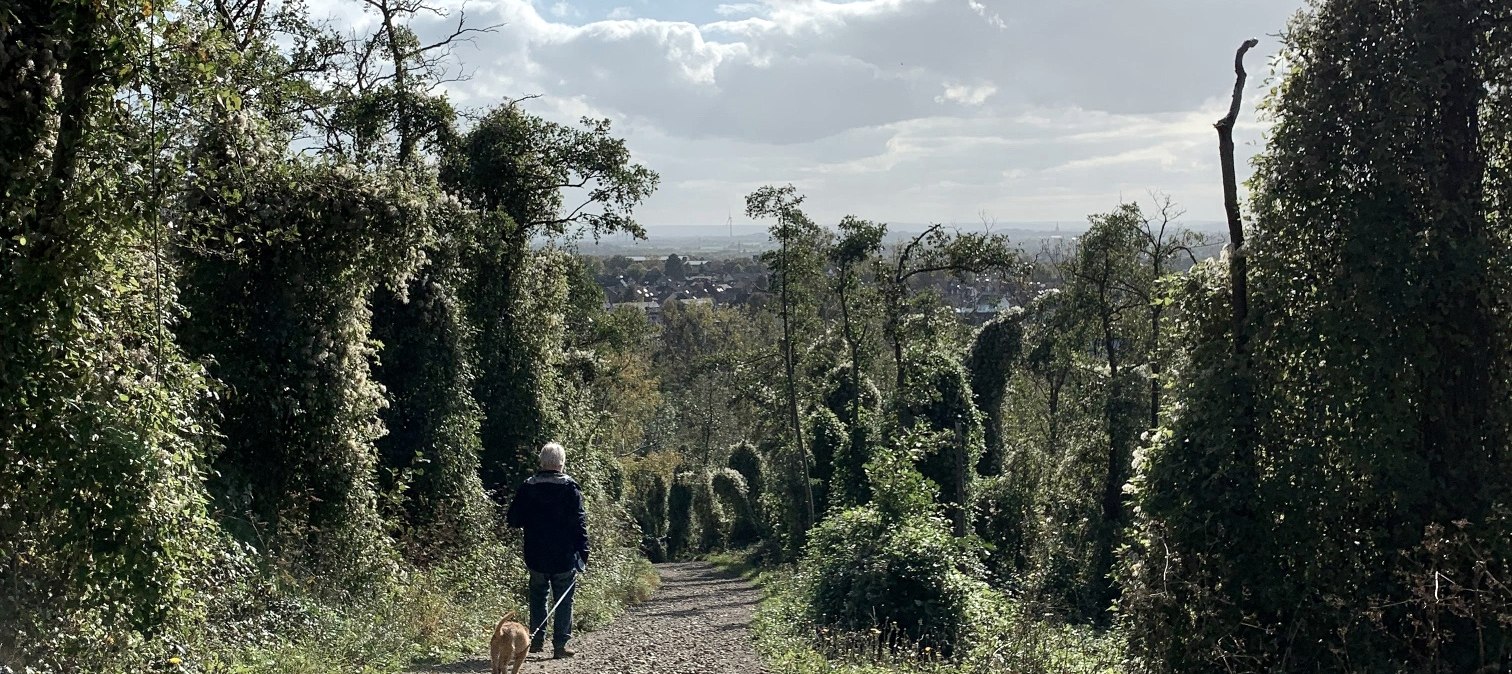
(557, 583)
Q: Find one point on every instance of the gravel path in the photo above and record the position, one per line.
(698, 622)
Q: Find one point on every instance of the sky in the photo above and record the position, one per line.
(905, 111)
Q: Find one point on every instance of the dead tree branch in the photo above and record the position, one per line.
(1238, 266)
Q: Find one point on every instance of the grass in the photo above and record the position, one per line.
(1007, 638)
(435, 616)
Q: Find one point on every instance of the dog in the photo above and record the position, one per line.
(510, 644)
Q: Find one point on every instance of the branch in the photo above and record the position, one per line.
(516, 101)
(908, 251)
(457, 35)
(1183, 249)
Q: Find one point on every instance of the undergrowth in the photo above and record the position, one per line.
(261, 626)
(1005, 637)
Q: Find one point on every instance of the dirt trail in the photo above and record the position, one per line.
(698, 622)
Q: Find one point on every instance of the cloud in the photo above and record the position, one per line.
(738, 9)
(966, 94)
(993, 18)
(910, 109)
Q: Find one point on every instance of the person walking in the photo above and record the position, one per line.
(549, 507)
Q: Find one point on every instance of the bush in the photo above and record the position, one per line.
(680, 517)
(903, 578)
(731, 488)
(713, 523)
(649, 507)
(1000, 512)
(828, 439)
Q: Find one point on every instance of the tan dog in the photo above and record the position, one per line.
(510, 644)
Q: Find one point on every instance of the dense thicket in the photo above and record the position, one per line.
(259, 290)
(1371, 497)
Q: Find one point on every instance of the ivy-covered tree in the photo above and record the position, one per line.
(796, 267)
(277, 280)
(1107, 285)
(1376, 332)
(995, 351)
(105, 538)
(518, 169)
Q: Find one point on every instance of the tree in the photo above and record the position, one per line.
(1376, 419)
(517, 169)
(104, 525)
(1161, 243)
(936, 250)
(674, 268)
(859, 244)
(795, 266)
(995, 351)
(1107, 284)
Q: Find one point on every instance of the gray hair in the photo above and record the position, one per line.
(553, 457)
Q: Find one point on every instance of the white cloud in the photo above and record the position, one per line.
(966, 94)
(737, 9)
(908, 110)
(993, 18)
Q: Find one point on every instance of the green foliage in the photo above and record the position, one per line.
(1005, 636)
(847, 485)
(519, 165)
(430, 452)
(1296, 504)
(277, 286)
(938, 394)
(869, 571)
(1002, 514)
(829, 439)
(737, 498)
(713, 523)
(517, 169)
(682, 522)
(202, 455)
(649, 508)
(747, 460)
(994, 352)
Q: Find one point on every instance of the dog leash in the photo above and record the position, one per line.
(547, 620)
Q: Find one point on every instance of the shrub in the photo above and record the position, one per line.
(713, 524)
(680, 521)
(649, 507)
(902, 578)
(828, 439)
(1001, 509)
(731, 488)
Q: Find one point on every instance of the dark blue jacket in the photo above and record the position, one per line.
(549, 507)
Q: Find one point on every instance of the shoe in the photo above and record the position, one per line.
(537, 647)
(562, 652)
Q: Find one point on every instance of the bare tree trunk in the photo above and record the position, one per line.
(401, 87)
(1238, 265)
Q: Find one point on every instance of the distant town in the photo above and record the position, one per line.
(651, 283)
